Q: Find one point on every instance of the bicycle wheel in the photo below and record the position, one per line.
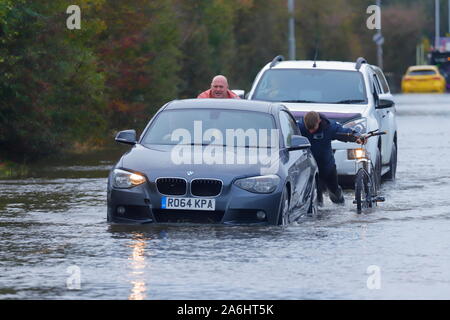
(376, 172)
(376, 181)
(363, 190)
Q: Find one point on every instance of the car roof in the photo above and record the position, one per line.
(424, 67)
(231, 104)
(324, 65)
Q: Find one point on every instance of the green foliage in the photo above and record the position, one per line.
(12, 170)
(261, 34)
(50, 87)
(59, 87)
(139, 55)
(207, 42)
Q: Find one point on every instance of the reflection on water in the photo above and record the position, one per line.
(138, 265)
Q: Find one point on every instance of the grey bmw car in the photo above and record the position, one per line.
(224, 161)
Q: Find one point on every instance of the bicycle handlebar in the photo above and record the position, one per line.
(364, 135)
(373, 134)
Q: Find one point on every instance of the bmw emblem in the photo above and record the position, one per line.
(190, 173)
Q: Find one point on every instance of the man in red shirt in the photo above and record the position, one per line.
(219, 89)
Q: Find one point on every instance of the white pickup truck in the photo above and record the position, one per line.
(356, 94)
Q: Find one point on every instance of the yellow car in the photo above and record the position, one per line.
(423, 79)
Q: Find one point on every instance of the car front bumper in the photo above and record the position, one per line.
(142, 204)
(344, 166)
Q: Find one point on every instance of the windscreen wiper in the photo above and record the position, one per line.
(198, 144)
(259, 147)
(300, 101)
(349, 101)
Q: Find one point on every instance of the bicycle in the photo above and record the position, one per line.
(366, 188)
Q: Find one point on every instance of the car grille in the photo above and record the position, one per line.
(206, 187)
(190, 216)
(171, 186)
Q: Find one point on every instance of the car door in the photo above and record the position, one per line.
(384, 116)
(388, 118)
(376, 91)
(298, 170)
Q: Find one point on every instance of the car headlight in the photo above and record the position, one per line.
(358, 125)
(260, 184)
(125, 179)
(355, 154)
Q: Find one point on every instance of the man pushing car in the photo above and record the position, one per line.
(219, 89)
(321, 131)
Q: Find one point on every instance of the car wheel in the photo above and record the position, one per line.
(314, 203)
(390, 175)
(283, 215)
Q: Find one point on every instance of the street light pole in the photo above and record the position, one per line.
(380, 43)
(436, 24)
(292, 30)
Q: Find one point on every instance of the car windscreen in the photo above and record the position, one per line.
(428, 72)
(212, 126)
(311, 86)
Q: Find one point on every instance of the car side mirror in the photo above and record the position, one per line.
(127, 137)
(299, 143)
(239, 93)
(385, 103)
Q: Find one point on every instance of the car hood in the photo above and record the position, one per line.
(338, 112)
(156, 161)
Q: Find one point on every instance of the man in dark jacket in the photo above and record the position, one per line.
(321, 131)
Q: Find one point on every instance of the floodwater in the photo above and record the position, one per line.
(55, 242)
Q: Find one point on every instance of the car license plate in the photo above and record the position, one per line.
(188, 203)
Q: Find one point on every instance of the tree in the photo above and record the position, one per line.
(207, 42)
(139, 55)
(261, 34)
(404, 28)
(50, 87)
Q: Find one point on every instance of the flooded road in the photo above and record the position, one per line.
(55, 242)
